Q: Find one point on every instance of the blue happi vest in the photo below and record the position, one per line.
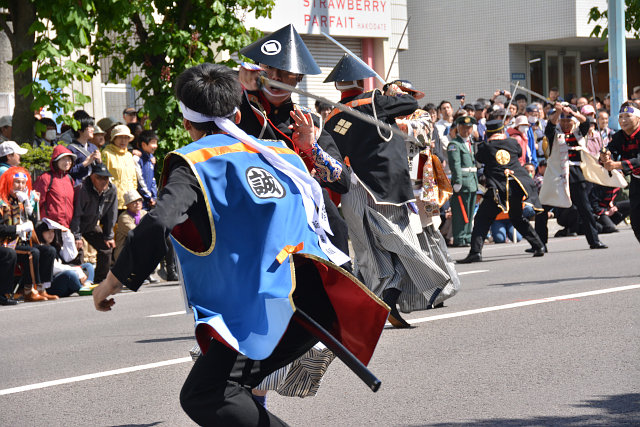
(240, 287)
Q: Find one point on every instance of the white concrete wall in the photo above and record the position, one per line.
(462, 46)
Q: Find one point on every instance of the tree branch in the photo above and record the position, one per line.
(8, 32)
(140, 30)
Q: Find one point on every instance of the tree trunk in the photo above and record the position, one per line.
(23, 15)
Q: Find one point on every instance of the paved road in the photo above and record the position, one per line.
(502, 352)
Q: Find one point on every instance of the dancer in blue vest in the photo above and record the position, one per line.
(250, 231)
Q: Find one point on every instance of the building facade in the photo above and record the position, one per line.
(478, 48)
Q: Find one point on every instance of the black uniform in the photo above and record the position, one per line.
(216, 391)
(578, 186)
(265, 121)
(382, 166)
(498, 155)
(626, 148)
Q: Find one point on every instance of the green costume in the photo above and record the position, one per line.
(464, 181)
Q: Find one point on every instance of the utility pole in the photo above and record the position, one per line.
(617, 60)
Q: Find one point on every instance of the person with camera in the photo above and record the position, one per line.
(86, 153)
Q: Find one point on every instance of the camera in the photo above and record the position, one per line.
(502, 92)
(459, 96)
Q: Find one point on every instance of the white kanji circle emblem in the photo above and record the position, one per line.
(263, 184)
(271, 47)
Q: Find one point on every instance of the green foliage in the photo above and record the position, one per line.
(160, 37)
(61, 31)
(163, 40)
(632, 19)
(36, 161)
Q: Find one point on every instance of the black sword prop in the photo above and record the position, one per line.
(264, 81)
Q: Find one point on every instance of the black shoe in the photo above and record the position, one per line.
(533, 251)
(561, 233)
(7, 301)
(461, 245)
(172, 276)
(599, 245)
(472, 257)
(539, 252)
(397, 321)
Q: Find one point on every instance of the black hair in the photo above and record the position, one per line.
(429, 106)
(48, 122)
(209, 89)
(497, 114)
(444, 101)
(85, 121)
(554, 89)
(542, 162)
(146, 136)
(4, 159)
(520, 96)
(633, 104)
(322, 106)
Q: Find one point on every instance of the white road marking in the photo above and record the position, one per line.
(173, 313)
(472, 272)
(413, 321)
(92, 376)
(523, 304)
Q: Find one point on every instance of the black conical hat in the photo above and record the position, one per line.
(349, 69)
(284, 50)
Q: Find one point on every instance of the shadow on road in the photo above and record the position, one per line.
(562, 280)
(623, 409)
(154, 340)
(138, 425)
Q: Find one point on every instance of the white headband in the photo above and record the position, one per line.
(195, 117)
(630, 110)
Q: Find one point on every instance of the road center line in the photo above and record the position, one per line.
(420, 320)
(472, 272)
(523, 304)
(92, 376)
(173, 313)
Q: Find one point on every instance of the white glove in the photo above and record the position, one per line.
(25, 227)
(22, 196)
(457, 187)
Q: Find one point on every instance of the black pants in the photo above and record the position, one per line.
(487, 213)
(42, 257)
(217, 390)
(542, 224)
(579, 196)
(8, 259)
(95, 238)
(634, 198)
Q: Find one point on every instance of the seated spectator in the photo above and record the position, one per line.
(94, 215)
(98, 137)
(120, 163)
(47, 137)
(67, 278)
(56, 187)
(609, 212)
(128, 219)
(18, 211)
(6, 128)
(10, 153)
(8, 259)
(86, 153)
(502, 230)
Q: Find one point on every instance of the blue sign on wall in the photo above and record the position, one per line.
(517, 76)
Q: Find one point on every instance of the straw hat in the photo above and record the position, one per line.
(120, 130)
(131, 196)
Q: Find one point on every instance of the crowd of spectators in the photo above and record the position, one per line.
(526, 122)
(59, 231)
